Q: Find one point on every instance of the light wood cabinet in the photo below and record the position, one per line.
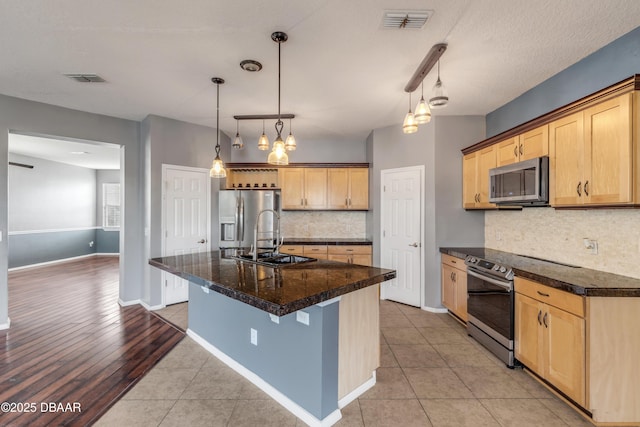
(351, 254)
(592, 155)
(348, 188)
(454, 286)
(475, 182)
(292, 249)
(550, 336)
(529, 145)
(303, 188)
(315, 251)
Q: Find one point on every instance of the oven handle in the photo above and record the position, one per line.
(506, 285)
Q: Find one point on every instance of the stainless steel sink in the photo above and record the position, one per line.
(273, 259)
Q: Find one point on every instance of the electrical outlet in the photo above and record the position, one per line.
(254, 337)
(498, 235)
(591, 245)
(302, 317)
(91, 244)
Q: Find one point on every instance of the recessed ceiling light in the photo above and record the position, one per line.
(86, 78)
(250, 65)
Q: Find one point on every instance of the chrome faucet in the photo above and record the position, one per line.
(276, 236)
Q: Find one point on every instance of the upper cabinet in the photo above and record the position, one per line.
(311, 188)
(593, 146)
(592, 155)
(348, 188)
(475, 181)
(529, 145)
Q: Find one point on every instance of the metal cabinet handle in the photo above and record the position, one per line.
(451, 276)
(515, 151)
(586, 188)
(301, 202)
(578, 189)
(454, 277)
(543, 294)
(539, 314)
(521, 150)
(545, 321)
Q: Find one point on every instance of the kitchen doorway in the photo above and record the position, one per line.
(186, 221)
(402, 225)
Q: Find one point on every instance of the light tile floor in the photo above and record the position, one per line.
(431, 374)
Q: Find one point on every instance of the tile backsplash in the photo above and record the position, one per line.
(558, 235)
(319, 224)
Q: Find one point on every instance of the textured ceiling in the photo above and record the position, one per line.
(342, 73)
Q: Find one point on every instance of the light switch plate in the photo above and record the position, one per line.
(254, 337)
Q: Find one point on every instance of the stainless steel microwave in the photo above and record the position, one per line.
(524, 183)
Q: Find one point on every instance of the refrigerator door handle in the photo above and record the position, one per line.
(240, 222)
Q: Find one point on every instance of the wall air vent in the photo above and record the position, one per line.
(404, 19)
(86, 78)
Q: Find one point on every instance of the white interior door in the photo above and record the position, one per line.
(186, 221)
(402, 225)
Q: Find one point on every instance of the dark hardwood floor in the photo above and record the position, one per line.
(72, 351)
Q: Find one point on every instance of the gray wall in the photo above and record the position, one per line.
(168, 141)
(612, 63)
(107, 241)
(316, 151)
(42, 119)
(52, 211)
(301, 361)
(437, 146)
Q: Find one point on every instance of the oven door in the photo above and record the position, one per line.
(491, 301)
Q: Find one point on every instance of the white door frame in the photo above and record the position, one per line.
(166, 167)
(383, 173)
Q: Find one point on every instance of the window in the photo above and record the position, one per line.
(111, 205)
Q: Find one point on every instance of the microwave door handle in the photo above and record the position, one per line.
(504, 285)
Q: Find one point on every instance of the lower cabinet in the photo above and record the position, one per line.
(454, 286)
(550, 336)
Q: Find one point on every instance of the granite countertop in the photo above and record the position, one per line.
(574, 279)
(278, 291)
(325, 241)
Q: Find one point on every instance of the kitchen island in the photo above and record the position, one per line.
(307, 334)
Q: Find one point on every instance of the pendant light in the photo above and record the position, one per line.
(278, 155)
(263, 141)
(423, 113)
(409, 125)
(238, 144)
(217, 167)
(440, 98)
(290, 143)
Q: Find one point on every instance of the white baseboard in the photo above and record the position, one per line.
(128, 303)
(151, 307)
(5, 325)
(58, 261)
(276, 395)
(359, 391)
(435, 309)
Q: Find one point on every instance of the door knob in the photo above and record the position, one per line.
(202, 241)
(414, 244)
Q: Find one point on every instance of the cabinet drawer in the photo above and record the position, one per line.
(563, 300)
(349, 250)
(315, 249)
(292, 249)
(453, 262)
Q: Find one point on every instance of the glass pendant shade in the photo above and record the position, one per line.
(290, 143)
(278, 155)
(263, 142)
(409, 125)
(423, 113)
(440, 97)
(238, 143)
(217, 169)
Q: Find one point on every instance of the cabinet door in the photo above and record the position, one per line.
(507, 151)
(338, 188)
(566, 142)
(469, 173)
(528, 332)
(359, 188)
(315, 194)
(608, 152)
(486, 161)
(448, 288)
(292, 184)
(534, 143)
(460, 279)
(361, 259)
(565, 364)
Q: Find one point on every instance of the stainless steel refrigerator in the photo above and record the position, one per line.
(239, 210)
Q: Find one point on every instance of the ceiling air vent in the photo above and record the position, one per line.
(86, 78)
(403, 19)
